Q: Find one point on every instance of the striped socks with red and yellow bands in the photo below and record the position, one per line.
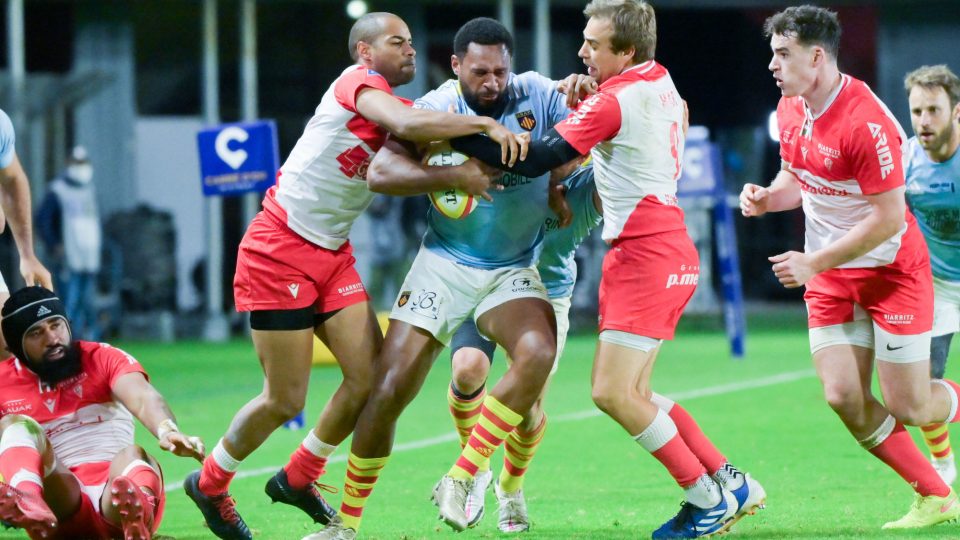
(519, 448)
(496, 422)
(465, 410)
(937, 437)
(362, 474)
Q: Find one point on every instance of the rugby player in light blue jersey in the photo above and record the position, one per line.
(18, 212)
(933, 193)
(481, 266)
(472, 354)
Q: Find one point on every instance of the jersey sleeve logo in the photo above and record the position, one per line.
(884, 156)
(527, 120)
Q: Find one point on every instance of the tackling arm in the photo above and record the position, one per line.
(395, 170)
(547, 153)
(145, 402)
(421, 125)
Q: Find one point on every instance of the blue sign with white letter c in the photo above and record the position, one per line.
(238, 158)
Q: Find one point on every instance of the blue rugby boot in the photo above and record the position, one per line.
(695, 522)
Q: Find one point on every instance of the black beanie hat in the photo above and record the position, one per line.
(25, 308)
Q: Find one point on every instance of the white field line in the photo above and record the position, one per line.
(708, 391)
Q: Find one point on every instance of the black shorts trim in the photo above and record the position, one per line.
(282, 319)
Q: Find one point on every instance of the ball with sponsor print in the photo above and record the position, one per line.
(452, 202)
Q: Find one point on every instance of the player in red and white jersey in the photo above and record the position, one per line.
(295, 269)
(66, 430)
(633, 129)
(869, 288)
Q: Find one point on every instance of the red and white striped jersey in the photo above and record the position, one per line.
(633, 129)
(849, 150)
(79, 415)
(322, 186)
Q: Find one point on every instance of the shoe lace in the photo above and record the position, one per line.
(227, 508)
(316, 487)
(460, 490)
(514, 507)
(684, 517)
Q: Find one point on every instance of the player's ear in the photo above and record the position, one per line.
(455, 64)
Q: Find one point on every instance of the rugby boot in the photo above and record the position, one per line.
(308, 499)
(513, 511)
(450, 496)
(135, 508)
(219, 511)
(28, 511)
(928, 511)
(695, 522)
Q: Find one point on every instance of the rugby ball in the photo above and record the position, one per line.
(451, 203)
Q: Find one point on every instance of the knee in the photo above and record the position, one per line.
(607, 397)
(540, 357)
(25, 426)
(844, 400)
(286, 407)
(470, 372)
(909, 413)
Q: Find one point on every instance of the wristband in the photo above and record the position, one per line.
(166, 427)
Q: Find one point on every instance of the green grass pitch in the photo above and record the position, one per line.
(589, 479)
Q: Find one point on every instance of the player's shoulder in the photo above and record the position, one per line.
(8, 367)
(100, 355)
(440, 97)
(860, 106)
(531, 83)
(356, 76)
(5, 123)
(7, 134)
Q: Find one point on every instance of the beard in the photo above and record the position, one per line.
(493, 110)
(940, 139)
(52, 372)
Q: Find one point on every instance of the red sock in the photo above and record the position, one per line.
(20, 460)
(214, 480)
(900, 454)
(661, 439)
(304, 468)
(683, 466)
(696, 440)
(144, 476)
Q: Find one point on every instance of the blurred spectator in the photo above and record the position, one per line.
(69, 224)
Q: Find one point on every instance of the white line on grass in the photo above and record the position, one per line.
(708, 391)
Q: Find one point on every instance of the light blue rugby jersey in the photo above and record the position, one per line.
(509, 231)
(8, 140)
(558, 268)
(933, 193)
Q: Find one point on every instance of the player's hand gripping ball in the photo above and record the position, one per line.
(452, 202)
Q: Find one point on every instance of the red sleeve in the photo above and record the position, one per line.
(596, 119)
(873, 146)
(115, 363)
(346, 88)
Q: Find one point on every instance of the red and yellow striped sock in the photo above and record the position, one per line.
(362, 474)
(496, 422)
(465, 410)
(937, 437)
(519, 448)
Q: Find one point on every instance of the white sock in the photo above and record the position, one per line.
(317, 447)
(705, 493)
(223, 458)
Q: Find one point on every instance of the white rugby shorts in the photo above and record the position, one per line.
(439, 294)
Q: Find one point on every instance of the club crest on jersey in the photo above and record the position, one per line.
(404, 298)
(828, 162)
(527, 120)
